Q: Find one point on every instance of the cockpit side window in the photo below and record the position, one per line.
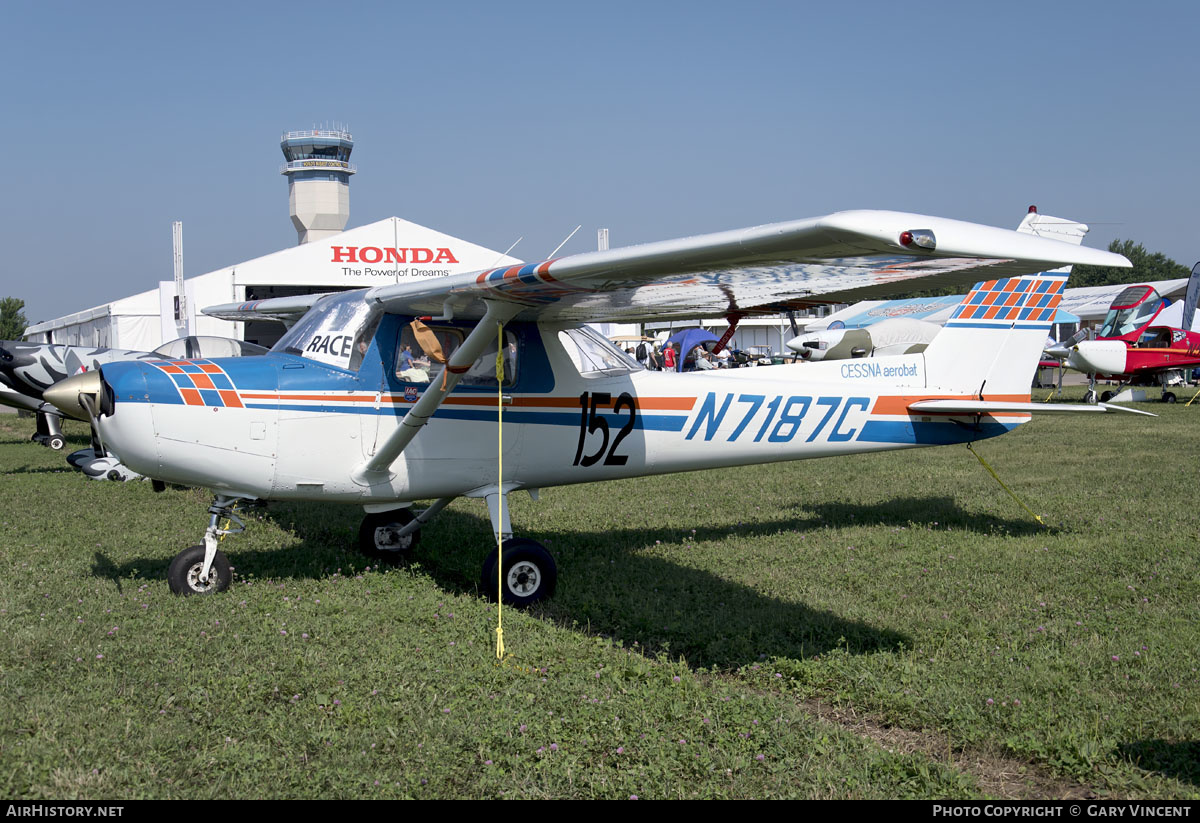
(592, 354)
(416, 365)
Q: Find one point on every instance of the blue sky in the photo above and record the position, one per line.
(491, 121)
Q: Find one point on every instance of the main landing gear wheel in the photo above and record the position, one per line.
(1168, 397)
(184, 574)
(377, 536)
(56, 442)
(529, 573)
(1104, 398)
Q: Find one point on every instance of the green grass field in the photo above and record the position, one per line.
(875, 626)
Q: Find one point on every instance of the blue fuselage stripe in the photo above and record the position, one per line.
(934, 433)
(651, 422)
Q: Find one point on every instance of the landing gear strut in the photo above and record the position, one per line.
(202, 569)
(49, 431)
(391, 535)
(382, 536)
(530, 573)
(185, 575)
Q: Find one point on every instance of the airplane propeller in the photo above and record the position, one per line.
(1061, 351)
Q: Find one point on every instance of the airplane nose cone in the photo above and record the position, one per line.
(65, 395)
(1101, 356)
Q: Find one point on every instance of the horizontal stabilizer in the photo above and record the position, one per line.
(1001, 406)
(287, 310)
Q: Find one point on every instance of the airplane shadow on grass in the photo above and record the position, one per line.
(935, 512)
(63, 469)
(1169, 758)
(607, 586)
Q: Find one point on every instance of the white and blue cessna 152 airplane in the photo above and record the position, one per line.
(385, 396)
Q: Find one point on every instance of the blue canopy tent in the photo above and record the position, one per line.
(687, 340)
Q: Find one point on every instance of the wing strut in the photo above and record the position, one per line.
(377, 468)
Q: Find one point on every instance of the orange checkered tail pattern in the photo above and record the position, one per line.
(992, 343)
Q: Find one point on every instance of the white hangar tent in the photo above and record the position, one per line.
(130, 318)
(388, 251)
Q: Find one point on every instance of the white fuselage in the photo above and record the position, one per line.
(576, 428)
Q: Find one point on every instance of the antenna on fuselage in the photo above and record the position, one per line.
(564, 242)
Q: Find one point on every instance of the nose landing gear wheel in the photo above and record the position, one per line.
(377, 536)
(530, 574)
(1168, 397)
(184, 574)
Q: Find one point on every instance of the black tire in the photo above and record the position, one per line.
(530, 574)
(1106, 396)
(184, 574)
(56, 442)
(375, 542)
(1168, 397)
(1089, 397)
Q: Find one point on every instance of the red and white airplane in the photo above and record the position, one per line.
(386, 396)
(1142, 341)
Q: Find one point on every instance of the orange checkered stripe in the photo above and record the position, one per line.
(200, 383)
(1022, 300)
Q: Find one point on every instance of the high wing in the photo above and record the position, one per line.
(843, 257)
(840, 258)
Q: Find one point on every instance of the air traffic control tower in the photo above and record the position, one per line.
(318, 169)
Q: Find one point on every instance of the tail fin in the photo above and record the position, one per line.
(993, 341)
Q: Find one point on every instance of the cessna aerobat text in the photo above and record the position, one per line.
(382, 422)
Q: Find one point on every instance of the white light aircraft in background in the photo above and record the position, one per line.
(353, 404)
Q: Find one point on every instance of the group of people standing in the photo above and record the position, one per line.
(666, 358)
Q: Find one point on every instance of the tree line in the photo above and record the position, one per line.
(1147, 268)
(12, 318)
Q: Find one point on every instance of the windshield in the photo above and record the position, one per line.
(1120, 322)
(194, 347)
(332, 331)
